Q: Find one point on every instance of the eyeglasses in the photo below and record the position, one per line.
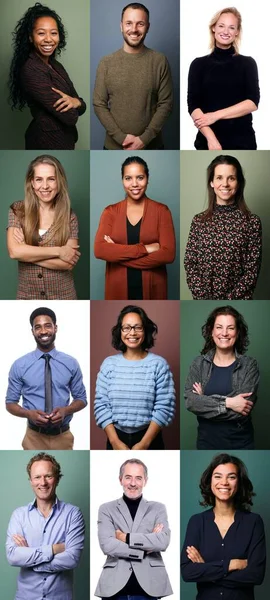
(128, 328)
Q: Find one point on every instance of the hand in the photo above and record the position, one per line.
(18, 235)
(108, 239)
(66, 102)
(140, 446)
(38, 417)
(152, 247)
(19, 540)
(213, 144)
(240, 403)
(194, 555)
(118, 445)
(132, 142)
(69, 254)
(58, 548)
(158, 528)
(57, 415)
(237, 564)
(205, 120)
(120, 535)
(197, 388)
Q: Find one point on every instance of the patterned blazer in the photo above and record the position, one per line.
(49, 129)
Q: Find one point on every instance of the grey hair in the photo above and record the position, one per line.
(133, 461)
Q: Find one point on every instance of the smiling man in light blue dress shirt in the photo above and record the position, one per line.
(46, 537)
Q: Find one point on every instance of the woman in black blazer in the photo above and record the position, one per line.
(41, 82)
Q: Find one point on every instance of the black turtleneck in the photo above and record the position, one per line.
(219, 80)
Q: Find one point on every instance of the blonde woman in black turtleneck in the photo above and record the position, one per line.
(223, 252)
(223, 89)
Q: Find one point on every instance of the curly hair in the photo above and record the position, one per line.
(225, 159)
(23, 46)
(243, 497)
(135, 159)
(47, 457)
(150, 329)
(242, 340)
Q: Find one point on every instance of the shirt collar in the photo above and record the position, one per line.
(39, 353)
(33, 504)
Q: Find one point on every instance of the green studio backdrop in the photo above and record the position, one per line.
(255, 165)
(107, 188)
(13, 167)
(257, 316)
(193, 465)
(16, 491)
(75, 59)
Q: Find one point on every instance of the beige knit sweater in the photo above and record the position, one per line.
(133, 94)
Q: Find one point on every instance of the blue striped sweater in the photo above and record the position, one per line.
(131, 393)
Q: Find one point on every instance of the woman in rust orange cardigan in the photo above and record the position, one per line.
(136, 238)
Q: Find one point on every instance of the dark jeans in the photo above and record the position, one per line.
(130, 439)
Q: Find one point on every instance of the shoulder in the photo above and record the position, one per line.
(17, 206)
(108, 506)
(33, 62)
(197, 219)
(66, 359)
(247, 361)
(24, 361)
(255, 221)
(198, 519)
(199, 360)
(69, 509)
(159, 207)
(114, 209)
(73, 216)
(154, 505)
(200, 62)
(111, 58)
(247, 61)
(250, 518)
(21, 511)
(156, 56)
(157, 362)
(110, 363)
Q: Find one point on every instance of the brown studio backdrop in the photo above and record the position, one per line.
(103, 316)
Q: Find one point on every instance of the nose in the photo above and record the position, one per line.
(134, 182)
(42, 480)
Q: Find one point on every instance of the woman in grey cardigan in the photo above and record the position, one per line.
(221, 388)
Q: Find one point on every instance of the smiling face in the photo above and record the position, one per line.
(225, 184)
(43, 480)
(132, 338)
(44, 182)
(225, 30)
(225, 332)
(134, 27)
(135, 181)
(45, 37)
(133, 480)
(44, 332)
(224, 482)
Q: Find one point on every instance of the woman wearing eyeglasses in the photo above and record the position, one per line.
(135, 395)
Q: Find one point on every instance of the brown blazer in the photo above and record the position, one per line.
(157, 226)
(49, 129)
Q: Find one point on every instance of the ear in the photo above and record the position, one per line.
(56, 328)
(211, 183)
(121, 26)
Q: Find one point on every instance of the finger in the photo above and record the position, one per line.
(58, 91)
(59, 102)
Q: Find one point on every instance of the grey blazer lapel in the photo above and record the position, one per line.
(123, 509)
(142, 508)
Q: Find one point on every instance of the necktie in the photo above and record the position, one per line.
(48, 384)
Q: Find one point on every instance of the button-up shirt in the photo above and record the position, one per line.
(244, 539)
(43, 575)
(27, 379)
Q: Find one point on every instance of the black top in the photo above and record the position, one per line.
(244, 539)
(134, 276)
(219, 80)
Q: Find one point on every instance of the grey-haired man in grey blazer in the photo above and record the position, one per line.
(132, 533)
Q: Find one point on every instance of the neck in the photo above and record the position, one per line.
(220, 202)
(224, 357)
(46, 206)
(45, 506)
(135, 354)
(132, 202)
(45, 350)
(131, 50)
(224, 509)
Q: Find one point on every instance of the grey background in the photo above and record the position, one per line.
(75, 59)
(106, 188)
(163, 36)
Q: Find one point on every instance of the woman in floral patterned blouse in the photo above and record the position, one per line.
(42, 234)
(223, 253)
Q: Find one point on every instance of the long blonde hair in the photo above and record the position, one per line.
(28, 214)
(214, 20)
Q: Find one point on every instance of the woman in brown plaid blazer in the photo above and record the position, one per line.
(42, 234)
(41, 82)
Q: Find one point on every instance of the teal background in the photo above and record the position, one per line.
(192, 466)
(13, 167)
(16, 491)
(193, 190)
(257, 316)
(107, 188)
(75, 58)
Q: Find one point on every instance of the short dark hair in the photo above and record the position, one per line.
(42, 311)
(243, 496)
(226, 159)
(135, 5)
(133, 461)
(150, 329)
(43, 456)
(135, 159)
(242, 340)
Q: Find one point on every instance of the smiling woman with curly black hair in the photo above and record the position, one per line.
(221, 388)
(224, 547)
(38, 80)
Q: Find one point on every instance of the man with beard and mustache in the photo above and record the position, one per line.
(133, 88)
(133, 532)
(45, 378)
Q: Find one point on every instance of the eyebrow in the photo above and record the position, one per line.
(231, 473)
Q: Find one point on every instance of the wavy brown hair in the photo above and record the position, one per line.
(239, 200)
(243, 497)
(214, 20)
(28, 212)
(242, 339)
